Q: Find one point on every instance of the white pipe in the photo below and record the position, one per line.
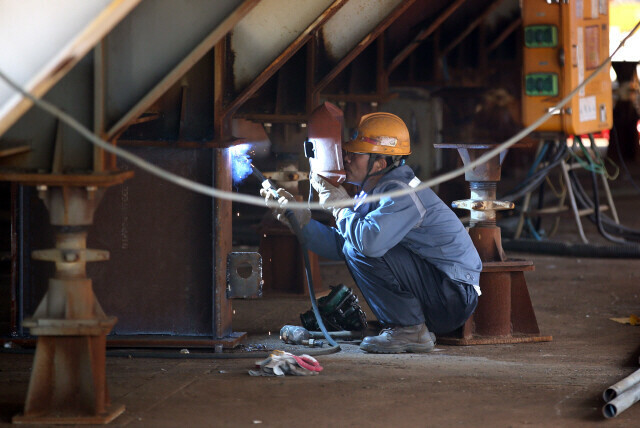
(620, 387)
(622, 402)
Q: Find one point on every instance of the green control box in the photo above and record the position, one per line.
(541, 36)
(541, 84)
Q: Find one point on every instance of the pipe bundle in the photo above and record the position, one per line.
(622, 395)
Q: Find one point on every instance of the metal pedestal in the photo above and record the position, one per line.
(504, 313)
(68, 380)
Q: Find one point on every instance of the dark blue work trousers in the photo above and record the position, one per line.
(403, 289)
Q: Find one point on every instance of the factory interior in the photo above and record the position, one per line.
(144, 280)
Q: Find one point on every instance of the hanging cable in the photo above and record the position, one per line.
(596, 212)
(533, 181)
(584, 201)
(594, 161)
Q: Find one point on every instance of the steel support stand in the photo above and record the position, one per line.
(504, 313)
(68, 379)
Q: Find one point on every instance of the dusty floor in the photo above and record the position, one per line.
(558, 383)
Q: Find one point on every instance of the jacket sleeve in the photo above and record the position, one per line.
(323, 240)
(385, 226)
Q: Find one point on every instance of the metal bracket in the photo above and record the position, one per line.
(244, 275)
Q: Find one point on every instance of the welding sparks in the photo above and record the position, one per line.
(240, 162)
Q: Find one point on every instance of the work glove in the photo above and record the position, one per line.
(328, 194)
(302, 215)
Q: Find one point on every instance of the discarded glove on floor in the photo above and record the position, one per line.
(282, 363)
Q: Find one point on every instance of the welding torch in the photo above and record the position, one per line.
(265, 182)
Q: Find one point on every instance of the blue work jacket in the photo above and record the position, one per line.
(419, 221)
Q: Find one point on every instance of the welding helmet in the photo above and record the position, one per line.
(380, 133)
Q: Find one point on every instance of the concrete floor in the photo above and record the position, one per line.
(557, 383)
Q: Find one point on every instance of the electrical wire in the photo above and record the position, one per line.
(534, 180)
(138, 353)
(254, 200)
(596, 212)
(584, 201)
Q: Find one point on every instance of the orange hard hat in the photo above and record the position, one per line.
(380, 133)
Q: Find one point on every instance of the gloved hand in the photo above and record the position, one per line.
(302, 215)
(328, 194)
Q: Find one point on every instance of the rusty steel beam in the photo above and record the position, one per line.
(222, 212)
(298, 43)
(471, 27)
(422, 35)
(366, 41)
(97, 179)
(184, 66)
(505, 33)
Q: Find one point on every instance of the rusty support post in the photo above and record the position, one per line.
(504, 313)
(68, 380)
(222, 210)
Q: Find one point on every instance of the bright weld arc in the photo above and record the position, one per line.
(240, 162)
(254, 200)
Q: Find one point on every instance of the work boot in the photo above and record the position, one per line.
(393, 340)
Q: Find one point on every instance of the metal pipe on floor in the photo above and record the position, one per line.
(622, 402)
(618, 388)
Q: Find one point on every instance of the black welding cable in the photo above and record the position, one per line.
(594, 204)
(533, 181)
(295, 226)
(596, 212)
(307, 267)
(608, 223)
(570, 249)
(585, 202)
(192, 355)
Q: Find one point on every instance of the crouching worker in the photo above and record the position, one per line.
(410, 255)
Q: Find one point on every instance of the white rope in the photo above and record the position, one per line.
(255, 200)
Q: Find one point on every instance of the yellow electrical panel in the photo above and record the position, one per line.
(564, 42)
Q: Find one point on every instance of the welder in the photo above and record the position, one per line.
(410, 256)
